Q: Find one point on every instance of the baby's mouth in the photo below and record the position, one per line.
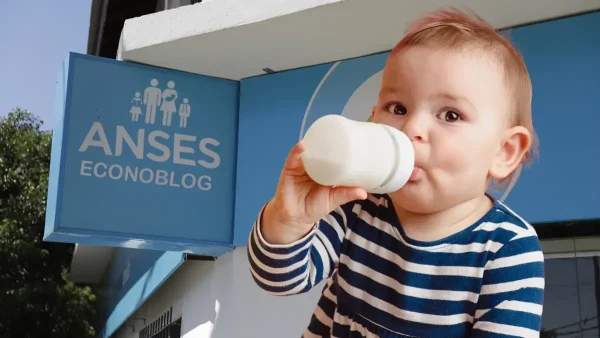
(416, 174)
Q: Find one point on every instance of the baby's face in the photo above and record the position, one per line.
(454, 106)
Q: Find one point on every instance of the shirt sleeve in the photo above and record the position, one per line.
(297, 267)
(511, 298)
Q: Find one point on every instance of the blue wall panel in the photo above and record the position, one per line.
(563, 58)
(271, 112)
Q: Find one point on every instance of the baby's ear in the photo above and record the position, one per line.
(515, 144)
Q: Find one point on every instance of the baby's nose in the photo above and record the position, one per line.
(415, 128)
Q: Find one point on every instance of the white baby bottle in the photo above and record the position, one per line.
(344, 152)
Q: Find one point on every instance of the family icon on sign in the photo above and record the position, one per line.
(164, 100)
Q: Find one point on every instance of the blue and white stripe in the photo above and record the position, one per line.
(485, 281)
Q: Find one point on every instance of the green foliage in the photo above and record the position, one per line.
(36, 297)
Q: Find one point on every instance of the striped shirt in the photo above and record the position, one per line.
(484, 281)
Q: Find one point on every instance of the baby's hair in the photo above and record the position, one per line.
(454, 29)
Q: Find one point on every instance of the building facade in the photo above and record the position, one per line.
(179, 267)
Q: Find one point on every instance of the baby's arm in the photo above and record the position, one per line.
(511, 299)
(295, 268)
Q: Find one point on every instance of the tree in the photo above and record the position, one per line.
(36, 297)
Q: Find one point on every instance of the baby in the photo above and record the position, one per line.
(439, 257)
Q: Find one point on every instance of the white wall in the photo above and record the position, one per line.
(220, 300)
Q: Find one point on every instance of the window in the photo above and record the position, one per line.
(572, 277)
(163, 327)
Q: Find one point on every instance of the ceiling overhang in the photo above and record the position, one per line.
(89, 263)
(236, 39)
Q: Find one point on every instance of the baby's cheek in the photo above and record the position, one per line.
(460, 162)
(456, 164)
(383, 119)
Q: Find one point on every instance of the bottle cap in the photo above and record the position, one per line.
(405, 162)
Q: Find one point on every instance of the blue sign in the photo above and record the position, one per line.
(143, 157)
(276, 110)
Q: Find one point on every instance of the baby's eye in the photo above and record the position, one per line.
(397, 109)
(450, 116)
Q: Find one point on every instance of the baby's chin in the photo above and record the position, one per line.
(411, 198)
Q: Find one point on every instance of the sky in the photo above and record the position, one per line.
(35, 37)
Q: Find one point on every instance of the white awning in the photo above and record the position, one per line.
(235, 39)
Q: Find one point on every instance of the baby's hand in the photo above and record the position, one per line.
(300, 202)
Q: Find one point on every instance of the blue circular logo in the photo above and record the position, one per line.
(349, 88)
